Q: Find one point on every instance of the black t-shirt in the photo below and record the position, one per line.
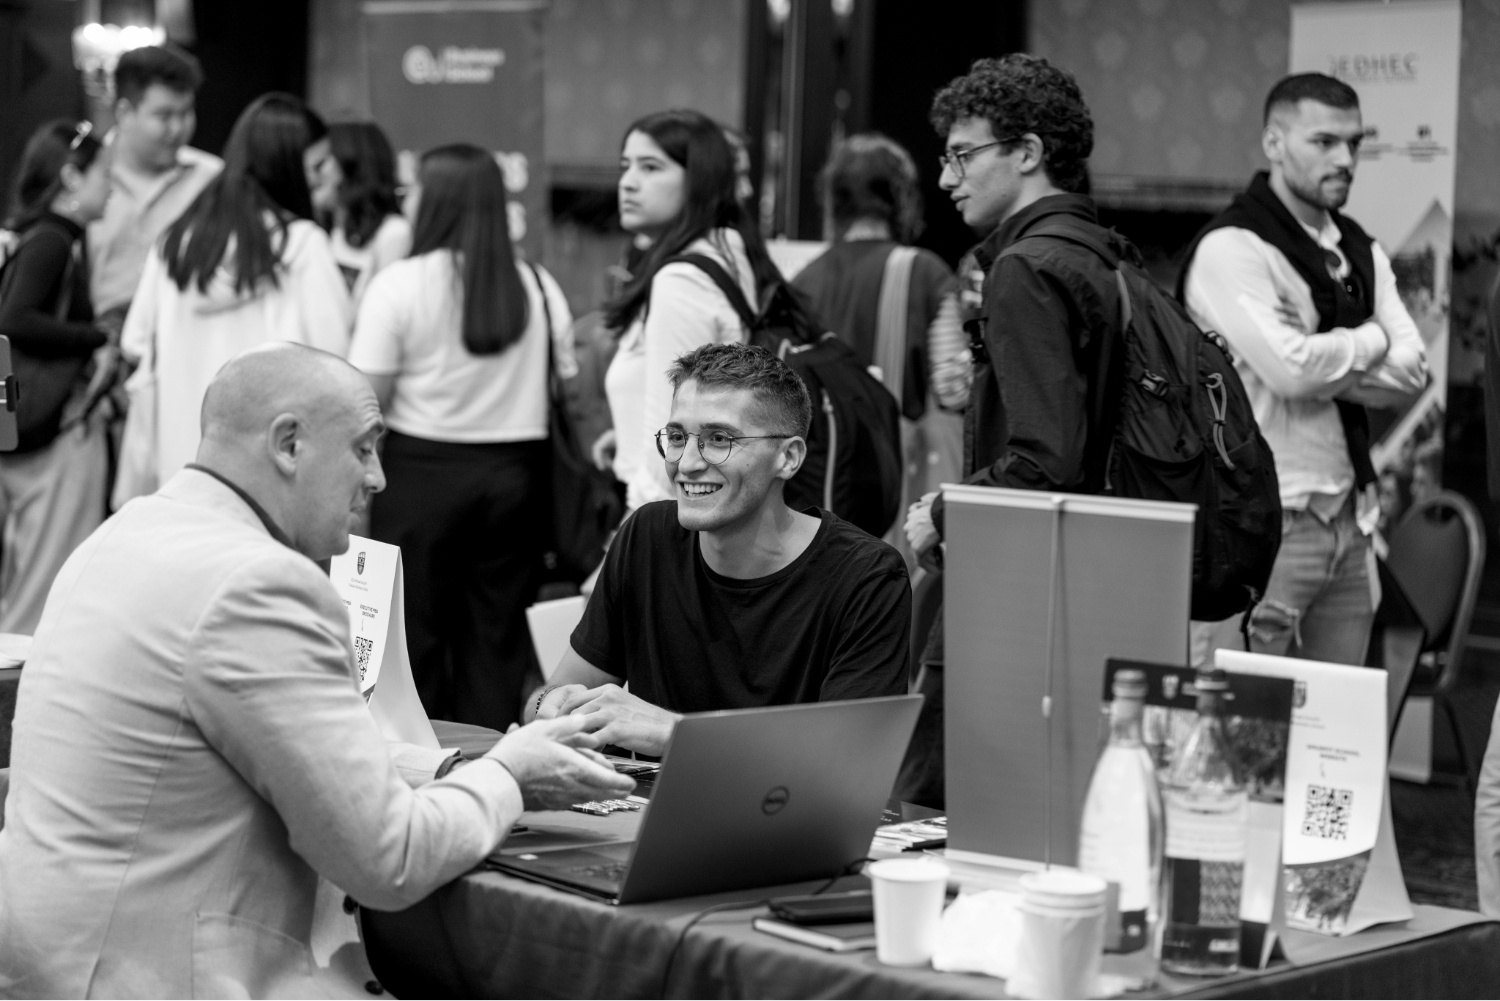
(832, 624)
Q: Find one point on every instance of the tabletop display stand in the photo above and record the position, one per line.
(1039, 591)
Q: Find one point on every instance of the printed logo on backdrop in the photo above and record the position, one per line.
(1381, 67)
(451, 65)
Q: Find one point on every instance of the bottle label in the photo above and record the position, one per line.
(1206, 828)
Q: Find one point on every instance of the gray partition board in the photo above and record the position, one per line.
(1122, 580)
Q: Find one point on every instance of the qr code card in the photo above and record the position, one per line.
(363, 646)
(1326, 813)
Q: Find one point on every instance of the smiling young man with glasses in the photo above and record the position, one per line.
(726, 598)
(1308, 303)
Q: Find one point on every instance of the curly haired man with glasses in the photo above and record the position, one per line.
(725, 597)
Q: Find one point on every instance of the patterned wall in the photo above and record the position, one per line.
(611, 61)
(1175, 86)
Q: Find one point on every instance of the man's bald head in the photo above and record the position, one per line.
(296, 429)
(253, 389)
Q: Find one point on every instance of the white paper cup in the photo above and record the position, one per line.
(908, 906)
(1062, 936)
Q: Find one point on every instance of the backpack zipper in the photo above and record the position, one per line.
(833, 453)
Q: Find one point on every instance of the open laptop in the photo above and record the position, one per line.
(744, 798)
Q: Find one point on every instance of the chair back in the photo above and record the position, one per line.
(1437, 554)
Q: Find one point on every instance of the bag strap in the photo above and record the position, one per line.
(552, 376)
(726, 283)
(890, 325)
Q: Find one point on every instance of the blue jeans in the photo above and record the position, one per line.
(1319, 604)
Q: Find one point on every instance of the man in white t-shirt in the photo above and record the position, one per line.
(1309, 305)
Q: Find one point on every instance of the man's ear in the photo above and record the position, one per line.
(284, 442)
(1273, 142)
(790, 456)
(1033, 154)
(71, 176)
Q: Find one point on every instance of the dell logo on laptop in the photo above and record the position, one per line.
(774, 801)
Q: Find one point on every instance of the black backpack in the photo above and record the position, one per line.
(853, 464)
(1182, 430)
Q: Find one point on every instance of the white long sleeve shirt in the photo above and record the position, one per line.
(686, 311)
(1240, 286)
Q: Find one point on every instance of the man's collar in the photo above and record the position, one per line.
(254, 505)
(1011, 229)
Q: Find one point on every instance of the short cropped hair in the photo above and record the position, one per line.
(1020, 93)
(165, 64)
(779, 392)
(1320, 87)
(869, 176)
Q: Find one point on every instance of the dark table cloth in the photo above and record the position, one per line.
(491, 935)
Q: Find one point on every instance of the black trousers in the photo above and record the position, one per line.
(470, 521)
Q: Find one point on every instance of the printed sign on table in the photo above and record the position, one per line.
(1340, 870)
(368, 578)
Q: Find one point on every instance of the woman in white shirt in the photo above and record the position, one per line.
(455, 340)
(353, 180)
(243, 266)
(677, 187)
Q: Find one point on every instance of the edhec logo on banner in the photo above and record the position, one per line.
(453, 65)
(1382, 67)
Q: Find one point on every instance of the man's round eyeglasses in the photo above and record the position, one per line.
(957, 160)
(714, 446)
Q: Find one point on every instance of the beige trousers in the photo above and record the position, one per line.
(53, 499)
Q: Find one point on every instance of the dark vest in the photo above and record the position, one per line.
(1340, 303)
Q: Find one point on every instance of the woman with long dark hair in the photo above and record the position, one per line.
(244, 265)
(678, 188)
(456, 340)
(355, 197)
(53, 484)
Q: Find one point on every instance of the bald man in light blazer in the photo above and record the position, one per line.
(191, 750)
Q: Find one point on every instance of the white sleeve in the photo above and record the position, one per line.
(319, 294)
(687, 310)
(138, 336)
(1231, 289)
(383, 317)
(1403, 372)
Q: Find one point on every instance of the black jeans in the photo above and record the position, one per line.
(470, 522)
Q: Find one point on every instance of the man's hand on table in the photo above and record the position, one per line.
(555, 764)
(614, 716)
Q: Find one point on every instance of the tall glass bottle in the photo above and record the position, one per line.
(1207, 810)
(1121, 835)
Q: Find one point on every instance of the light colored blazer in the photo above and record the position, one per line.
(190, 752)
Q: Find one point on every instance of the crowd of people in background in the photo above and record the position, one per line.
(139, 266)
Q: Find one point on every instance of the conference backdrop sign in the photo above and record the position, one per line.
(1402, 60)
(444, 71)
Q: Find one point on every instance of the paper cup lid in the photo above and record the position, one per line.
(909, 870)
(1063, 889)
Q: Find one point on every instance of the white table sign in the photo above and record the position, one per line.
(1340, 870)
(368, 578)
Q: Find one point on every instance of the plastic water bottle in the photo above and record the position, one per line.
(1121, 836)
(1207, 810)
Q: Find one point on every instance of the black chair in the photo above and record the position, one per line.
(1437, 556)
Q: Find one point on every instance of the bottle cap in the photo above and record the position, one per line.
(1129, 683)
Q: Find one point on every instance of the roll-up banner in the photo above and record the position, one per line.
(1402, 60)
(446, 71)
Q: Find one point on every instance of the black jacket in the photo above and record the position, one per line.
(1045, 307)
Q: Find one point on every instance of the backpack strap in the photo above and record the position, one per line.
(726, 283)
(890, 325)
